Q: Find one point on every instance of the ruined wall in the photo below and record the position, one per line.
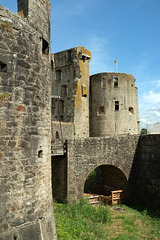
(113, 104)
(37, 13)
(145, 174)
(85, 155)
(26, 209)
(70, 91)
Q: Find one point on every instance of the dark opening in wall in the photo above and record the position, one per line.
(116, 105)
(52, 64)
(69, 56)
(115, 82)
(101, 110)
(58, 75)
(45, 47)
(57, 134)
(131, 110)
(40, 153)
(3, 67)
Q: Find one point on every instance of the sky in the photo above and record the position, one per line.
(126, 30)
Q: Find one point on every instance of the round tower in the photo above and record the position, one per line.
(113, 104)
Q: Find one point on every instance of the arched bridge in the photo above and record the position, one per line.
(69, 172)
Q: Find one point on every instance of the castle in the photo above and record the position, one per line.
(57, 124)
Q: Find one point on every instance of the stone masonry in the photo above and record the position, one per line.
(26, 208)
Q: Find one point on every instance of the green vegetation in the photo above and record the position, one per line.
(81, 221)
(143, 131)
(3, 97)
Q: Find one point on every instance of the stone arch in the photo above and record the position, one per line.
(106, 178)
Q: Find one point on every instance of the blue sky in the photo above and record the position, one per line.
(126, 30)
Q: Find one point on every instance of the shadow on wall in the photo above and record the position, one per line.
(104, 179)
(144, 179)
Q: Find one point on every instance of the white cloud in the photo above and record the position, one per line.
(152, 97)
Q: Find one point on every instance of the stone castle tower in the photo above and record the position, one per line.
(113, 105)
(70, 93)
(26, 207)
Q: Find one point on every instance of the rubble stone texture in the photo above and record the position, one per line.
(26, 208)
(70, 93)
(113, 105)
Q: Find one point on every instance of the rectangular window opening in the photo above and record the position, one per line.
(101, 110)
(116, 105)
(84, 90)
(131, 110)
(45, 47)
(3, 67)
(69, 55)
(58, 75)
(115, 82)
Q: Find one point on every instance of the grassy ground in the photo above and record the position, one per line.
(80, 221)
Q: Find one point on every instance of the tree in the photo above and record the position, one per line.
(143, 131)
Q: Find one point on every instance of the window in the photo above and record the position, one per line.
(52, 64)
(3, 67)
(45, 47)
(69, 55)
(116, 105)
(61, 107)
(84, 90)
(131, 110)
(101, 110)
(58, 75)
(57, 134)
(115, 82)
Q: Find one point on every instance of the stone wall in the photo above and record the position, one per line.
(37, 13)
(85, 155)
(26, 208)
(70, 90)
(113, 104)
(144, 181)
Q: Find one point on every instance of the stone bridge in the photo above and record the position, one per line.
(85, 155)
(130, 162)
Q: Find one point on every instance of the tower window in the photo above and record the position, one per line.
(69, 55)
(84, 90)
(131, 110)
(45, 47)
(3, 67)
(115, 82)
(58, 75)
(101, 110)
(116, 105)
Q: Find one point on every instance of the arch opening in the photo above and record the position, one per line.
(104, 179)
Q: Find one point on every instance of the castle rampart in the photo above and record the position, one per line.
(26, 208)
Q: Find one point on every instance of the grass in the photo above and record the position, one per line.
(81, 221)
